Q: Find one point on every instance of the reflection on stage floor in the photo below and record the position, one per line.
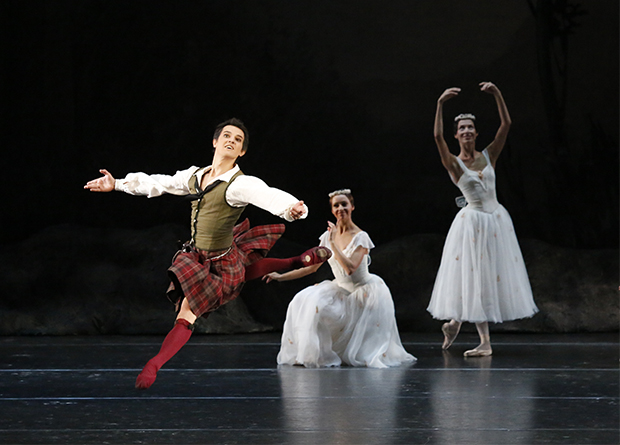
(557, 389)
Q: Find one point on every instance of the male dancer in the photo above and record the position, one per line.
(210, 270)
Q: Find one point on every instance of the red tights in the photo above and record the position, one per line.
(174, 341)
(266, 265)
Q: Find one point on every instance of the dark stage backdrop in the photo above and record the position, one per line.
(335, 94)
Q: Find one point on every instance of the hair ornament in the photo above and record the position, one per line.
(462, 116)
(340, 192)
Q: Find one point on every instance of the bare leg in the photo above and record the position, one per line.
(186, 313)
(484, 348)
(450, 331)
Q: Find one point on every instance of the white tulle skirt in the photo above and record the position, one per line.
(482, 276)
(327, 325)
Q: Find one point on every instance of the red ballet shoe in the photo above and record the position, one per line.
(316, 255)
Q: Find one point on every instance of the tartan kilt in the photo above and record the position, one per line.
(207, 283)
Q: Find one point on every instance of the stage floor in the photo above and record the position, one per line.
(535, 389)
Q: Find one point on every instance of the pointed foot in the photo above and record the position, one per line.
(146, 378)
(448, 335)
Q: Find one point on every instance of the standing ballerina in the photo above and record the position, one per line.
(482, 276)
(350, 319)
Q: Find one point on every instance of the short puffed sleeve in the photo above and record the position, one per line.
(361, 239)
(324, 239)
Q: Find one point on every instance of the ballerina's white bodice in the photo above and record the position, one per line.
(357, 278)
(478, 188)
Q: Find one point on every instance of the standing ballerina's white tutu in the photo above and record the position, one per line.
(350, 319)
(482, 276)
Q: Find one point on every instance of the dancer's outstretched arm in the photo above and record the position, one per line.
(142, 184)
(495, 148)
(248, 189)
(291, 275)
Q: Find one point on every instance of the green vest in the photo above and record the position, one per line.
(213, 218)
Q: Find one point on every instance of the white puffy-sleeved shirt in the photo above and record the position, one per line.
(243, 191)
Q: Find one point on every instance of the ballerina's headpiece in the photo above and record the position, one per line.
(463, 116)
(339, 192)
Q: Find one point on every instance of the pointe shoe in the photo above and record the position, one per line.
(147, 377)
(316, 255)
(478, 352)
(449, 337)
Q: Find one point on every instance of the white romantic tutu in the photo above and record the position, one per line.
(348, 320)
(482, 276)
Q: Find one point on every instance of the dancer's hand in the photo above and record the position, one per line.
(298, 210)
(330, 228)
(489, 87)
(103, 184)
(273, 276)
(449, 94)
